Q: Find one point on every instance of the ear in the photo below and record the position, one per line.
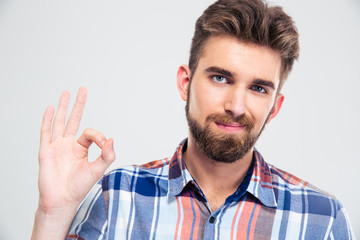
(183, 81)
(276, 108)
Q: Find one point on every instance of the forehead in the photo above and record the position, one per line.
(244, 60)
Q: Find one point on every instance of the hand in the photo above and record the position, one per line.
(65, 175)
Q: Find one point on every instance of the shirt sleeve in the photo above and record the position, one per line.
(90, 221)
(341, 228)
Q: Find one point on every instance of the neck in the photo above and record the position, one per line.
(217, 180)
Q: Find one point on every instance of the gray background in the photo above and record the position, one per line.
(127, 53)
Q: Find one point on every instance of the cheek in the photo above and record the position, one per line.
(259, 110)
(204, 102)
(198, 105)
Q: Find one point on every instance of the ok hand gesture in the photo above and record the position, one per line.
(65, 175)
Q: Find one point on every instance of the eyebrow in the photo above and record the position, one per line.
(265, 83)
(221, 71)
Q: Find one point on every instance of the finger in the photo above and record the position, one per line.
(75, 117)
(107, 156)
(45, 131)
(89, 136)
(60, 117)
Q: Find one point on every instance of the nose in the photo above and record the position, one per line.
(235, 102)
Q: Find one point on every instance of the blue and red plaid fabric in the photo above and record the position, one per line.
(160, 200)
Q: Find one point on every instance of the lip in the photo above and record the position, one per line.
(229, 127)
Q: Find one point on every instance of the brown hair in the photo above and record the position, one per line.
(250, 21)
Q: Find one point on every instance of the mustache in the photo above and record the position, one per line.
(242, 119)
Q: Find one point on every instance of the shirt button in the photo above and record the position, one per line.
(212, 220)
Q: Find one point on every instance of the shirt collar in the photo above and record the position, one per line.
(179, 176)
(260, 185)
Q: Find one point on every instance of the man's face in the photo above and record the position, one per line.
(232, 96)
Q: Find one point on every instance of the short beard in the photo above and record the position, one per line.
(226, 148)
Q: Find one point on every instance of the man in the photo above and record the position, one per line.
(216, 186)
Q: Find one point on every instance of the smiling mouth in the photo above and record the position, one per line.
(229, 126)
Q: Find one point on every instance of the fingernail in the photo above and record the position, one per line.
(102, 143)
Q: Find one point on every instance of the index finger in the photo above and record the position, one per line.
(73, 123)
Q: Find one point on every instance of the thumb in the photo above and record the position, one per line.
(107, 156)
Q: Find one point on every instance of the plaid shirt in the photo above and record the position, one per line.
(161, 200)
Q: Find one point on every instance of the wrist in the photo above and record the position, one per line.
(52, 222)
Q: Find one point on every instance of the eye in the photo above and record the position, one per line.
(219, 79)
(259, 89)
